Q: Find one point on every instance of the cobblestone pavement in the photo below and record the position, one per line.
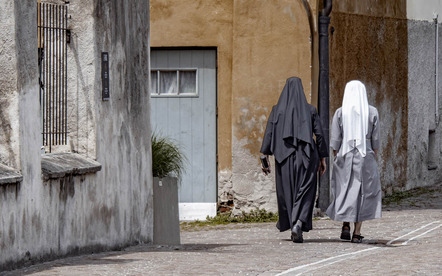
(406, 241)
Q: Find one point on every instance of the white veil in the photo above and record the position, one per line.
(354, 117)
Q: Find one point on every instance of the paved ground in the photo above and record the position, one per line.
(406, 241)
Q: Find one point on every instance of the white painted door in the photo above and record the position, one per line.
(184, 108)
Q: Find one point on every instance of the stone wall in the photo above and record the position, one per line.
(45, 217)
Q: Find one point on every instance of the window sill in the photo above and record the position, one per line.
(58, 165)
(9, 176)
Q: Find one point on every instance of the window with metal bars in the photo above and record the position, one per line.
(53, 37)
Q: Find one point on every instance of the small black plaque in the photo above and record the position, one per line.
(105, 75)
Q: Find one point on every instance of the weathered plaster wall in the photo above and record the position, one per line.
(80, 53)
(9, 97)
(373, 48)
(260, 44)
(395, 57)
(378, 8)
(81, 79)
(21, 204)
(202, 23)
(421, 104)
(271, 42)
(41, 219)
(123, 123)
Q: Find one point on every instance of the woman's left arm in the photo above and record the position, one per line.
(375, 135)
(320, 141)
(317, 130)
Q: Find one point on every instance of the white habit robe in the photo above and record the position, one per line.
(355, 183)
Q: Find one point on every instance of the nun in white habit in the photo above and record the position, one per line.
(355, 183)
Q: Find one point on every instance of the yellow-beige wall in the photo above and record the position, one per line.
(201, 23)
(259, 45)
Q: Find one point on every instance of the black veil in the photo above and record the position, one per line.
(290, 121)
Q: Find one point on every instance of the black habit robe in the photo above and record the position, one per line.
(289, 137)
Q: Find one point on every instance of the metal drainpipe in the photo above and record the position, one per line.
(323, 99)
(435, 17)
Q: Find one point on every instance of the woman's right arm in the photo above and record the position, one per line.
(267, 139)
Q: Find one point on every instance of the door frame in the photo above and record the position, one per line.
(192, 213)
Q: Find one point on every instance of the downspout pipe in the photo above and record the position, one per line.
(435, 18)
(327, 8)
(324, 99)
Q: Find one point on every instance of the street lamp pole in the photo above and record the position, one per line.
(324, 99)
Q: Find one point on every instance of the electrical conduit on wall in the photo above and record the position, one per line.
(432, 164)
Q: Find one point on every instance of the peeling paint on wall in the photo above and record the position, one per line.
(251, 123)
(384, 8)
(251, 189)
(374, 51)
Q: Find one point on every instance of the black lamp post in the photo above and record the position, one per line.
(323, 99)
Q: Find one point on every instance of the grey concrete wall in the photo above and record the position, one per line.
(123, 123)
(421, 104)
(82, 65)
(9, 149)
(22, 204)
(109, 209)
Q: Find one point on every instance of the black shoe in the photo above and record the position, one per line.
(356, 238)
(297, 234)
(345, 233)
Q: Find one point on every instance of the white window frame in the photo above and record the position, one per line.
(178, 94)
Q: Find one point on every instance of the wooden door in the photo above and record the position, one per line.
(183, 85)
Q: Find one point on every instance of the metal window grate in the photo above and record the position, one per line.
(53, 37)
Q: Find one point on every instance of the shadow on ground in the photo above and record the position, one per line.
(117, 257)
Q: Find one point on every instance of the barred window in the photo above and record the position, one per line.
(53, 37)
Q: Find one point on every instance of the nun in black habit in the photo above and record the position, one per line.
(289, 137)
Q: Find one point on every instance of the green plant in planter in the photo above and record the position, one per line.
(167, 158)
